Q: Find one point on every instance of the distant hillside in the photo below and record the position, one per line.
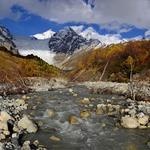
(112, 62)
(14, 67)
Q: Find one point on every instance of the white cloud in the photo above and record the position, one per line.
(147, 33)
(136, 38)
(132, 12)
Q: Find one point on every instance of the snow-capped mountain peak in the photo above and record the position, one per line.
(68, 41)
(107, 39)
(77, 29)
(45, 35)
(90, 33)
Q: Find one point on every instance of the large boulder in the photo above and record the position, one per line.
(26, 123)
(129, 122)
(4, 116)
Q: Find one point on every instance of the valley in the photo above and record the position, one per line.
(67, 90)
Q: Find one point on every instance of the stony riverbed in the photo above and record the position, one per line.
(73, 118)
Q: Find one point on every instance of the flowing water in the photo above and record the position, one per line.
(89, 134)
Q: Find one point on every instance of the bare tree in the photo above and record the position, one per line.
(104, 70)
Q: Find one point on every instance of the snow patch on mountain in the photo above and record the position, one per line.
(28, 45)
(45, 35)
(46, 55)
(77, 29)
(87, 33)
(107, 39)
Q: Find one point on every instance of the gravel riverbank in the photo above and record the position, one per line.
(141, 90)
(14, 124)
(90, 118)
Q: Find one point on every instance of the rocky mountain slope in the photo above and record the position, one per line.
(68, 41)
(64, 42)
(86, 32)
(6, 40)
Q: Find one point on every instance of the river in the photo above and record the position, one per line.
(98, 132)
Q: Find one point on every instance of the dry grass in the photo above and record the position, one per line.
(13, 68)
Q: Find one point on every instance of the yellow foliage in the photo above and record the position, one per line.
(14, 66)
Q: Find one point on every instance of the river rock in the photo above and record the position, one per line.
(36, 143)
(132, 112)
(20, 102)
(3, 126)
(2, 137)
(26, 123)
(70, 90)
(26, 146)
(75, 94)
(110, 108)
(85, 101)
(129, 122)
(54, 138)
(50, 113)
(6, 132)
(85, 114)
(73, 120)
(1, 146)
(4, 116)
(143, 120)
(99, 111)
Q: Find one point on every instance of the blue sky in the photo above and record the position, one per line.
(27, 18)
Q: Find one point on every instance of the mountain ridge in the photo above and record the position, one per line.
(6, 40)
(68, 41)
(88, 33)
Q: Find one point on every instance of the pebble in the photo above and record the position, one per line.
(85, 101)
(50, 113)
(75, 94)
(71, 90)
(85, 114)
(54, 138)
(143, 120)
(73, 120)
